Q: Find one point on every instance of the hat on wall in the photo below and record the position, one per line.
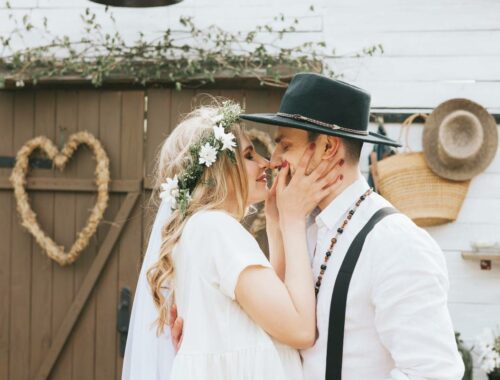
(316, 103)
(460, 139)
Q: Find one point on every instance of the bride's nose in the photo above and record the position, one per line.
(263, 162)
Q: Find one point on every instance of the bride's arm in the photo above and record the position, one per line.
(286, 309)
(276, 249)
(274, 238)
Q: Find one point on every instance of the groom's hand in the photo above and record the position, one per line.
(176, 326)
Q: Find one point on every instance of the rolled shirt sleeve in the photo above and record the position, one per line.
(409, 294)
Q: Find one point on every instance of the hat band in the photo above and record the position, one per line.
(321, 123)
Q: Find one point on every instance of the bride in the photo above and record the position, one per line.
(244, 316)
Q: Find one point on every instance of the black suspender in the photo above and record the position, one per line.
(335, 342)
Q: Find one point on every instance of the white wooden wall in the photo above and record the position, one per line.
(434, 50)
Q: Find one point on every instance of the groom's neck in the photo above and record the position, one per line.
(351, 174)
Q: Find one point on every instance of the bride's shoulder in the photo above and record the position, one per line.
(217, 229)
(211, 220)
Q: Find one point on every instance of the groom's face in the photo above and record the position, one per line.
(291, 144)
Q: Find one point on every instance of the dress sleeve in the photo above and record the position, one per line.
(231, 248)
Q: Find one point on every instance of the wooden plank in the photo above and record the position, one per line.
(6, 210)
(204, 97)
(256, 101)
(236, 95)
(21, 258)
(64, 228)
(388, 69)
(82, 335)
(468, 255)
(428, 94)
(458, 236)
(150, 208)
(107, 287)
(471, 318)
(181, 104)
(468, 282)
(419, 44)
(131, 166)
(390, 15)
(43, 204)
(159, 127)
(73, 185)
(87, 286)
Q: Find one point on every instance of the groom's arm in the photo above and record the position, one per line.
(409, 293)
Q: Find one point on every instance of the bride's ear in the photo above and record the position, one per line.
(331, 146)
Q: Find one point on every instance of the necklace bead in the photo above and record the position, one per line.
(334, 240)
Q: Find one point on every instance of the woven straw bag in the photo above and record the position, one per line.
(406, 181)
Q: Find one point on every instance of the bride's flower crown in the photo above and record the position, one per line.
(204, 153)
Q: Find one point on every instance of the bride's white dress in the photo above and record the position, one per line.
(220, 340)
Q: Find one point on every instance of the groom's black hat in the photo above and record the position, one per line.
(316, 103)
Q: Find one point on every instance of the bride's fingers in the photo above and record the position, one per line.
(305, 159)
(281, 178)
(330, 180)
(325, 167)
(173, 315)
(318, 171)
(177, 332)
(272, 190)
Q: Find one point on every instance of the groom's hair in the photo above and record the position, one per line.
(352, 147)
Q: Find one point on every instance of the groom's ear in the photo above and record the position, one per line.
(331, 145)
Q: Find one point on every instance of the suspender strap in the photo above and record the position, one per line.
(335, 343)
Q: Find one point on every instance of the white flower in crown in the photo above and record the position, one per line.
(219, 132)
(216, 119)
(227, 139)
(170, 189)
(229, 142)
(208, 155)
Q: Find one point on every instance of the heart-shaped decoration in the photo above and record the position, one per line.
(60, 158)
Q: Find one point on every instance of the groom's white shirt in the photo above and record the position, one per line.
(397, 321)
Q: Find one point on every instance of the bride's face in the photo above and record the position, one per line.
(256, 166)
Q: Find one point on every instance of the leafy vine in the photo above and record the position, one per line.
(195, 57)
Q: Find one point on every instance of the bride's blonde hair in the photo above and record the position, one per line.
(211, 191)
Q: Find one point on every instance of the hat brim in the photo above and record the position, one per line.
(430, 140)
(273, 119)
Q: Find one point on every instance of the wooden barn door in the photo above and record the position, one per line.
(61, 322)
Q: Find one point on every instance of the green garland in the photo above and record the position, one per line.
(193, 58)
(219, 141)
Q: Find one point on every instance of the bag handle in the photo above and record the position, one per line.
(405, 129)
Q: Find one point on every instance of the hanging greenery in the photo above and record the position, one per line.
(193, 57)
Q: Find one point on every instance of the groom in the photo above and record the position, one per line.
(381, 281)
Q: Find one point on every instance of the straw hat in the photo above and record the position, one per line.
(460, 139)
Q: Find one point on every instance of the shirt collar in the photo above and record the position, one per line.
(330, 215)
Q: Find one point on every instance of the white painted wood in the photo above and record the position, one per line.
(399, 69)
(468, 282)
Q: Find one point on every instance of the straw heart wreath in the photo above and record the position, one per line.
(60, 158)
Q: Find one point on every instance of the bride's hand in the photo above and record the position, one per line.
(304, 192)
(271, 207)
(176, 328)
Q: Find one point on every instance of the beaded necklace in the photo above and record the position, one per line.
(334, 240)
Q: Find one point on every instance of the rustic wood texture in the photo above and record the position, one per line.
(60, 322)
